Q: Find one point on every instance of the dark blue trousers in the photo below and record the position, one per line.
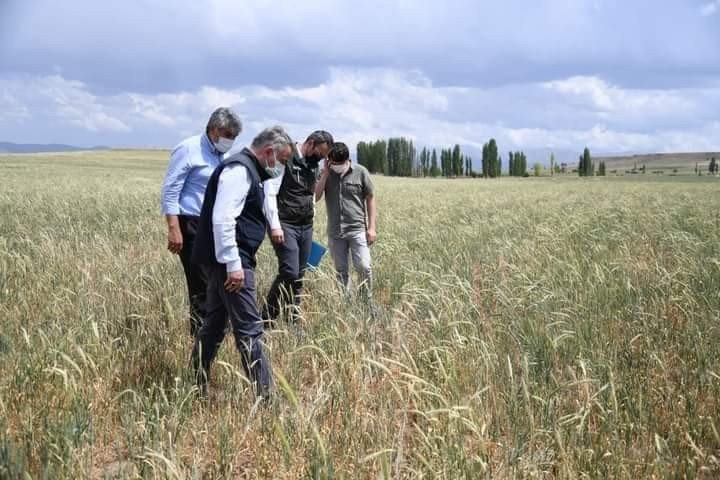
(195, 276)
(247, 328)
(292, 258)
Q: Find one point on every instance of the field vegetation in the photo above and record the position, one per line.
(531, 328)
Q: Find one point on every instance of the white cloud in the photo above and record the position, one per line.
(67, 100)
(362, 104)
(151, 110)
(11, 110)
(597, 91)
(710, 8)
(95, 121)
(594, 95)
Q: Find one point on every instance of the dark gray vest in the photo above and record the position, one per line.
(250, 226)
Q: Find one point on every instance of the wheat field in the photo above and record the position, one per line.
(530, 328)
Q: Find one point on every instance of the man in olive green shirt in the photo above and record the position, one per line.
(350, 201)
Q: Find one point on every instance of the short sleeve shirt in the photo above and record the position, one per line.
(345, 200)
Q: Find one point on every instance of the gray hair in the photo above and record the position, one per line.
(224, 118)
(275, 136)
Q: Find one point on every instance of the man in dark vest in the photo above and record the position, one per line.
(232, 225)
(291, 205)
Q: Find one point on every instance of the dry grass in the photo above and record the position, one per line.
(533, 328)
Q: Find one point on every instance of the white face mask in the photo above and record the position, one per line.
(340, 169)
(277, 170)
(223, 144)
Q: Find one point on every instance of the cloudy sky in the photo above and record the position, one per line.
(615, 75)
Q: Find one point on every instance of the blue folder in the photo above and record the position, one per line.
(316, 253)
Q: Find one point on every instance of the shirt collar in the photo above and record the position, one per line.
(206, 143)
(248, 151)
(297, 158)
(350, 169)
(261, 171)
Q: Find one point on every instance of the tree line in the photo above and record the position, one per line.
(398, 157)
(586, 165)
(517, 164)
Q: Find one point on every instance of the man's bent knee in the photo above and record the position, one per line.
(364, 269)
(289, 273)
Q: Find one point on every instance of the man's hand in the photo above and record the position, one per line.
(175, 239)
(320, 186)
(277, 236)
(371, 236)
(235, 281)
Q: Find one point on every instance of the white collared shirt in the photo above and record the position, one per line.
(233, 187)
(272, 188)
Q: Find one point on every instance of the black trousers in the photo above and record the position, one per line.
(247, 328)
(292, 258)
(195, 276)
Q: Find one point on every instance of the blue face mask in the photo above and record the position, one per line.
(277, 170)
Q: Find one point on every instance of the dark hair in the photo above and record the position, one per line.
(339, 153)
(318, 137)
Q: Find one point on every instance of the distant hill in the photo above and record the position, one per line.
(9, 147)
(658, 161)
(539, 155)
(542, 156)
(667, 162)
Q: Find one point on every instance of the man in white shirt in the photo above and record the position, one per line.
(233, 224)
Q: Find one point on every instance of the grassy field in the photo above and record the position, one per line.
(532, 328)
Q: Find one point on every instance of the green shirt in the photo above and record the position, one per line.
(345, 200)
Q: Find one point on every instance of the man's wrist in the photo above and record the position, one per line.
(233, 266)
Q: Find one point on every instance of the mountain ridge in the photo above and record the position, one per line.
(10, 147)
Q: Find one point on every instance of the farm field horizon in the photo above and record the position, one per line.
(552, 327)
